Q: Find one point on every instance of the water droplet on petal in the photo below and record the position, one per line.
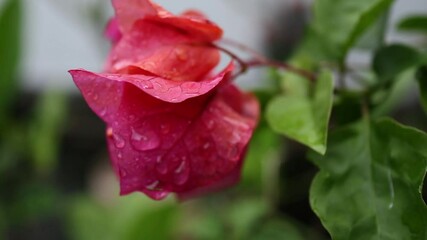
(237, 123)
(181, 173)
(119, 142)
(206, 146)
(182, 178)
(148, 85)
(152, 186)
(180, 167)
(235, 138)
(95, 97)
(144, 141)
(103, 112)
(161, 166)
(158, 195)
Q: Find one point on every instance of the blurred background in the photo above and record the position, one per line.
(55, 177)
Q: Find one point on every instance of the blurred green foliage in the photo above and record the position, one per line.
(370, 177)
(10, 49)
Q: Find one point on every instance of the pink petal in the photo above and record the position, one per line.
(92, 85)
(158, 147)
(112, 31)
(129, 11)
(194, 24)
(164, 52)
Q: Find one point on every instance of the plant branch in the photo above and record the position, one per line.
(260, 61)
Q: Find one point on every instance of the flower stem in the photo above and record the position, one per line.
(259, 60)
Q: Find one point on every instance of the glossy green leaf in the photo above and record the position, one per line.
(422, 82)
(303, 115)
(369, 184)
(392, 60)
(10, 44)
(414, 23)
(338, 24)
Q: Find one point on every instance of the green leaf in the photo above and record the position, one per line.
(10, 44)
(422, 82)
(304, 116)
(373, 37)
(369, 184)
(338, 24)
(387, 99)
(392, 60)
(413, 23)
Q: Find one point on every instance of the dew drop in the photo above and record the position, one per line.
(148, 85)
(158, 195)
(153, 185)
(182, 174)
(161, 166)
(206, 146)
(103, 112)
(119, 142)
(95, 97)
(235, 138)
(143, 142)
(237, 123)
(180, 167)
(182, 178)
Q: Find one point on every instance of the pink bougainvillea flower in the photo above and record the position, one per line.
(173, 125)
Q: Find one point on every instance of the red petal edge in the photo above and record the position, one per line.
(160, 88)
